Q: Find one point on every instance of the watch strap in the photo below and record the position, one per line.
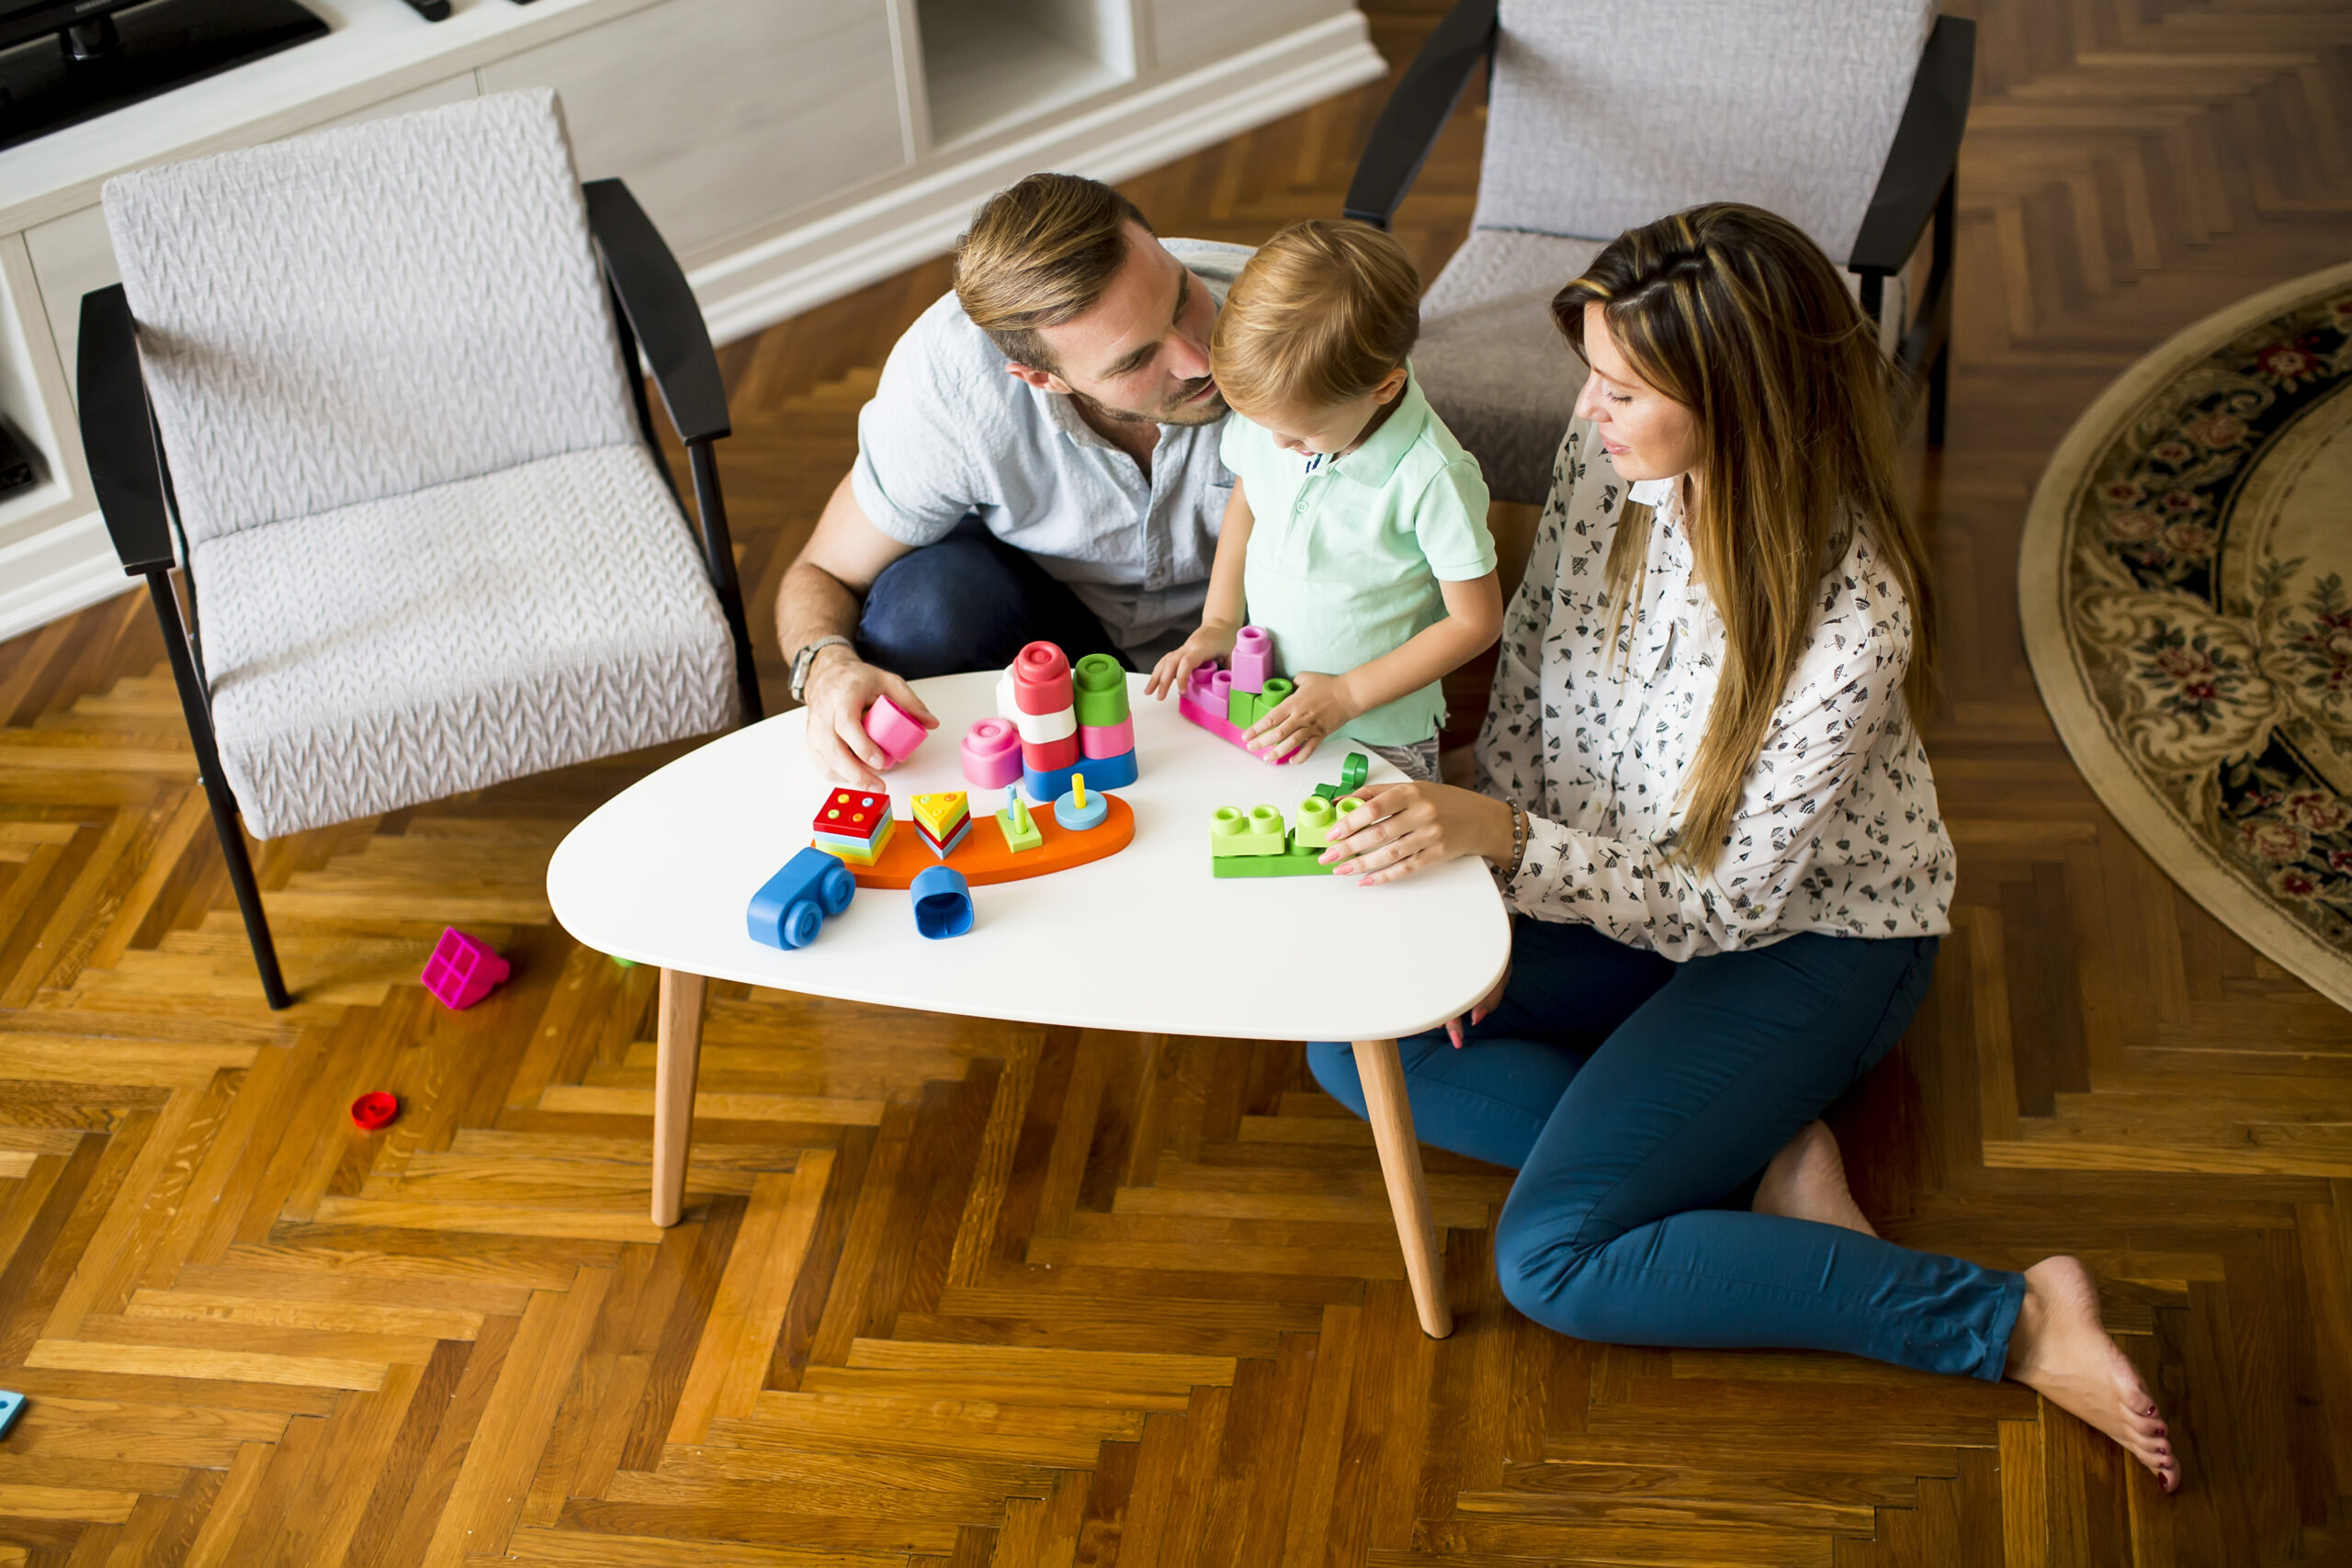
(802, 661)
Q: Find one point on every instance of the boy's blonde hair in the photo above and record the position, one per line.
(1323, 311)
(1040, 253)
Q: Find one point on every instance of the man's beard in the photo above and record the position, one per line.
(1208, 410)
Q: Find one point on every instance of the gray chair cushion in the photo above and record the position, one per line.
(369, 310)
(1491, 362)
(1603, 116)
(406, 649)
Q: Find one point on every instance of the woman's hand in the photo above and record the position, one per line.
(1484, 1006)
(1414, 827)
(1303, 720)
(1175, 669)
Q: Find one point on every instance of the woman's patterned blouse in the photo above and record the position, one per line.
(1836, 829)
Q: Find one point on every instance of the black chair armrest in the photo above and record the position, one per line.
(1418, 111)
(1925, 154)
(660, 310)
(118, 435)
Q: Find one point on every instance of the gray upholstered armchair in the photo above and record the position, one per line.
(1843, 115)
(369, 388)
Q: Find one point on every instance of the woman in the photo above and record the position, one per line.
(1700, 784)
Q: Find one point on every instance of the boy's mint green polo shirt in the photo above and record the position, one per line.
(1344, 561)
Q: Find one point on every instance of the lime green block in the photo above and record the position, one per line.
(1020, 829)
(1100, 685)
(1313, 828)
(1240, 708)
(1292, 863)
(1236, 833)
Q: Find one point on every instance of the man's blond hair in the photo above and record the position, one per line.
(1322, 313)
(1039, 254)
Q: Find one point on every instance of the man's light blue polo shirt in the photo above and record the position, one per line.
(1346, 553)
(950, 435)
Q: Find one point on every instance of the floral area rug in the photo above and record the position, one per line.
(2186, 585)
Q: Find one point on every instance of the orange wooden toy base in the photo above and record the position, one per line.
(982, 857)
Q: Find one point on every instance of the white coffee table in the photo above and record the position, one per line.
(662, 873)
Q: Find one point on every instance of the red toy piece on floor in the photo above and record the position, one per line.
(462, 970)
(374, 1109)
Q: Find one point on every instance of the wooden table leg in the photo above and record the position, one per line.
(1391, 1114)
(678, 1026)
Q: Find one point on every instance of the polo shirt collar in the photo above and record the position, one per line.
(1375, 461)
(1653, 493)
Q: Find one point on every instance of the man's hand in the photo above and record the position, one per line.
(1303, 720)
(841, 688)
(1176, 668)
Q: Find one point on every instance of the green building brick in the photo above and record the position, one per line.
(1020, 829)
(1099, 683)
(1293, 862)
(1277, 689)
(1313, 828)
(1234, 833)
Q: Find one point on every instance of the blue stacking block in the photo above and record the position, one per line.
(943, 902)
(1108, 773)
(791, 905)
(1044, 789)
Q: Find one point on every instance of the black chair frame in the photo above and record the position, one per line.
(1916, 187)
(654, 309)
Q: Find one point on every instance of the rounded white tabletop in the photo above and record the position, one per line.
(1147, 940)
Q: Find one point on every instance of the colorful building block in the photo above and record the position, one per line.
(462, 969)
(1045, 786)
(1077, 810)
(861, 851)
(942, 903)
(851, 814)
(1013, 821)
(1107, 739)
(1051, 756)
(1041, 679)
(1254, 658)
(894, 730)
(1207, 701)
(993, 753)
(940, 813)
(1042, 728)
(944, 847)
(1351, 776)
(375, 1110)
(1290, 862)
(791, 905)
(1101, 684)
(11, 1406)
(1313, 830)
(1276, 691)
(1257, 831)
(1111, 773)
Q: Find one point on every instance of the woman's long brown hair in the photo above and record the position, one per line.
(1735, 315)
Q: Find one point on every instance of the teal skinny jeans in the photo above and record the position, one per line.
(1640, 1100)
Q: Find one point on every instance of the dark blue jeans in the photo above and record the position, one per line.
(1640, 1099)
(971, 601)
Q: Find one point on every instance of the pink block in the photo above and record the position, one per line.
(1253, 658)
(462, 970)
(1210, 716)
(894, 730)
(1096, 741)
(992, 754)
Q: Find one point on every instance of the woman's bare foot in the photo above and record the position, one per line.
(1806, 1180)
(2061, 1350)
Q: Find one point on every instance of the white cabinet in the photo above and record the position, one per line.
(722, 115)
(1190, 32)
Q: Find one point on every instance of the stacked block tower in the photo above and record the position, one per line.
(1066, 725)
(1256, 843)
(853, 825)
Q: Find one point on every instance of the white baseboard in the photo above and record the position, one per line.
(71, 564)
(56, 572)
(765, 282)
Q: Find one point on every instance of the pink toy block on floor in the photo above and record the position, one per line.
(462, 970)
(894, 730)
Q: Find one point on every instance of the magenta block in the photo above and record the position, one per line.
(1098, 740)
(462, 970)
(1209, 713)
(992, 754)
(1253, 658)
(894, 730)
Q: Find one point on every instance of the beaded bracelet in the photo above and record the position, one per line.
(1518, 839)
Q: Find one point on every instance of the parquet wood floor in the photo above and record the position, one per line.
(960, 1295)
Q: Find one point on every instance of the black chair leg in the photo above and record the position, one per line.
(225, 823)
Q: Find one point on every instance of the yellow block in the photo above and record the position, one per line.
(940, 813)
(880, 839)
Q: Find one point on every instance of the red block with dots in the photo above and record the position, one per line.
(462, 969)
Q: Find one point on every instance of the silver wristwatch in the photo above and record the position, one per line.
(808, 656)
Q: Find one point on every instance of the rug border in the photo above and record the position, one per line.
(2082, 725)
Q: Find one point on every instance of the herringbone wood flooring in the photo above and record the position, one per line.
(960, 1294)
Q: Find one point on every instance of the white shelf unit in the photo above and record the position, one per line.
(790, 151)
(988, 64)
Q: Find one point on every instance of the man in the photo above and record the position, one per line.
(1039, 461)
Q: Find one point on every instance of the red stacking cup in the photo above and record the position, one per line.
(1041, 679)
(1046, 756)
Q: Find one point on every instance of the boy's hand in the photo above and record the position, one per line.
(1175, 669)
(1303, 720)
